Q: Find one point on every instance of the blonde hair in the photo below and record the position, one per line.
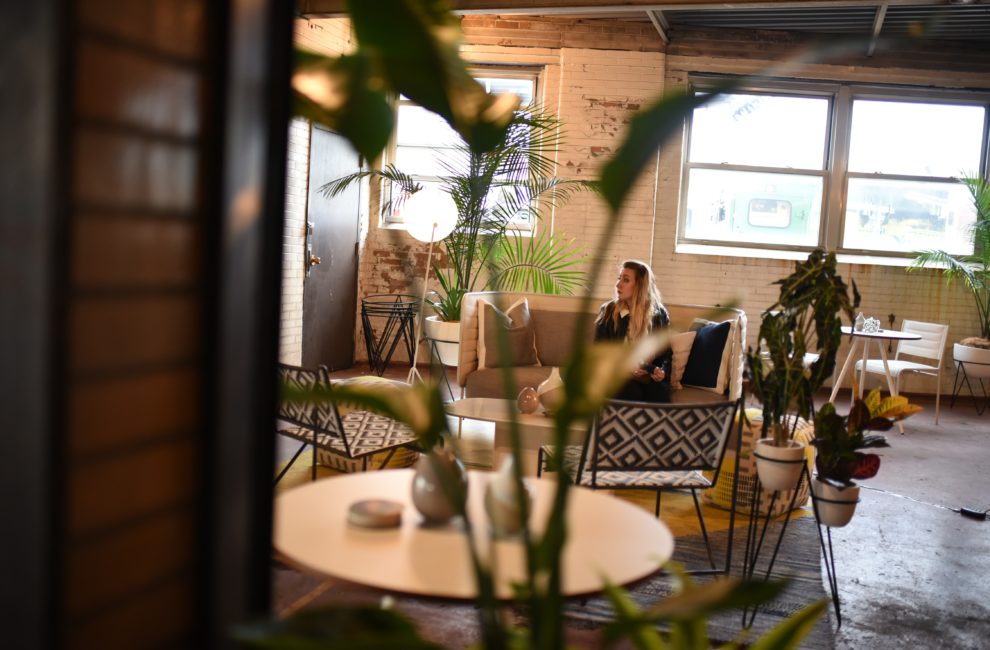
(645, 302)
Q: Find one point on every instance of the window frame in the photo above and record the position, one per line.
(835, 173)
(534, 73)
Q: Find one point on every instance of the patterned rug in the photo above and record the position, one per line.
(799, 561)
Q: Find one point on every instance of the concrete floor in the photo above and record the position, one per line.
(912, 572)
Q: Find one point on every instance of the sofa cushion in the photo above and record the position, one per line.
(520, 331)
(680, 348)
(708, 364)
(488, 382)
(555, 332)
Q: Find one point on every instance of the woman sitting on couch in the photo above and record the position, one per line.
(634, 312)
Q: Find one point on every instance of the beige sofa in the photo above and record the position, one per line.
(555, 320)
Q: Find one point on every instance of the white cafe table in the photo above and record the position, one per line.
(607, 538)
(861, 348)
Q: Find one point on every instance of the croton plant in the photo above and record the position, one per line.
(839, 438)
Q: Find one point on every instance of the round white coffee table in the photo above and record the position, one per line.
(607, 538)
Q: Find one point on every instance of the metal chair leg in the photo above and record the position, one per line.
(289, 464)
(704, 530)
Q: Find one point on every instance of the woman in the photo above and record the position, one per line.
(633, 313)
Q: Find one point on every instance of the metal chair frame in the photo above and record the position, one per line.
(708, 455)
(322, 417)
(931, 346)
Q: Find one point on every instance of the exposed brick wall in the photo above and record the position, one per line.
(559, 33)
(294, 242)
(133, 370)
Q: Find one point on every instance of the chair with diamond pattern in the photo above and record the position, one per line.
(355, 435)
(661, 447)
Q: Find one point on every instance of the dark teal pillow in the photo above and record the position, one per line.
(705, 360)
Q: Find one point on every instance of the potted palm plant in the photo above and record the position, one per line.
(838, 441)
(782, 375)
(974, 271)
(493, 191)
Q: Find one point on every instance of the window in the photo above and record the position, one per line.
(855, 168)
(424, 141)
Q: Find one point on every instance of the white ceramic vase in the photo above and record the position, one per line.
(501, 502)
(779, 467)
(834, 506)
(551, 392)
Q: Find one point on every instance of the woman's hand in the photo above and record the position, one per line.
(658, 374)
(641, 375)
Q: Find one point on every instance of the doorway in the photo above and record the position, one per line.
(331, 255)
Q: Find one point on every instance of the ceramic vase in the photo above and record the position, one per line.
(834, 506)
(779, 468)
(528, 400)
(501, 502)
(429, 495)
(551, 392)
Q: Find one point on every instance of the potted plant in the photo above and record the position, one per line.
(974, 271)
(492, 190)
(838, 441)
(812, 300)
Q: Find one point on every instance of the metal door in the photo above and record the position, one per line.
(330, 287)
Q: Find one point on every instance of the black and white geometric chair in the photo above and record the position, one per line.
(661, 447)
(355, 435)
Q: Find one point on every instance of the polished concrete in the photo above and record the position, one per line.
(912, 572)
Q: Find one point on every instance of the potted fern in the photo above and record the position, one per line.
(838, 441)
(974, 271)
(782, 374)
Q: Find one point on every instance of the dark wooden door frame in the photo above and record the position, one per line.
(254, 117)
(33, 158)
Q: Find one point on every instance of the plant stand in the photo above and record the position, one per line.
(439, 370)
(756, 537)
(829, 556)
(979, 370)
(399, 314)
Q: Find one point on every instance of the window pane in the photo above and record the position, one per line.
(521, 87)
(908, 216)
(419, 161)
(761, 130)
(753, 207)
(915, 139)
(417, 125)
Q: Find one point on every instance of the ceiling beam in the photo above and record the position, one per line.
(877, 26)
(660, 24)
(338, 8)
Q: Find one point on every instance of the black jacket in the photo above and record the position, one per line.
(606, 330)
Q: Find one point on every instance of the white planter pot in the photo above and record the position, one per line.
(779, 467)
(977, 360)
(834, 506)
(447, 335)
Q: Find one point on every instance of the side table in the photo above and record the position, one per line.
(396, 319)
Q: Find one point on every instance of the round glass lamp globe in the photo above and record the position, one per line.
(430, 214)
